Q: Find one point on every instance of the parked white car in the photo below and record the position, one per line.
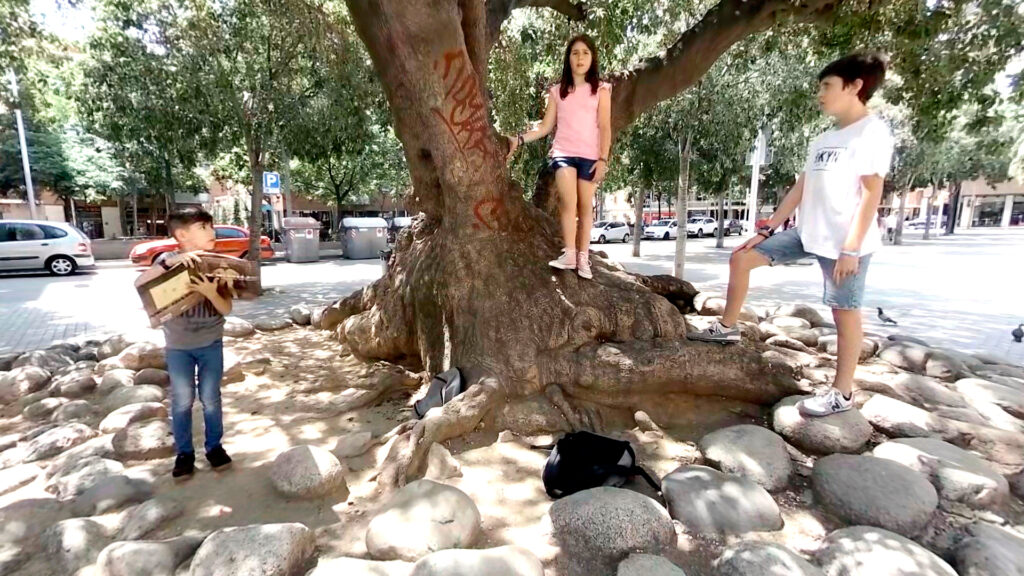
(57, 247)
(664, 229)
(919, 224)
(605, 231)
(701, 226)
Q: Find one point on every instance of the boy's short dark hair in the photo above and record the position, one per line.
(187, 217)
(868, 67)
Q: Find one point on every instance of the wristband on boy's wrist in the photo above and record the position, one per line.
(852, 253)
(521, 139)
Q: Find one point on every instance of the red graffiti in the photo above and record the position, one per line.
(463, 111)
(488, 211)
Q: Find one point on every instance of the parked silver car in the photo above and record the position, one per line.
(57, 247)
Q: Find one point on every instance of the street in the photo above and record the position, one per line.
(951, 291)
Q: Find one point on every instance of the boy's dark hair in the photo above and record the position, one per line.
(868, 67)
(187, 217)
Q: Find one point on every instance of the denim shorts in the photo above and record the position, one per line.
(584, 167)
(786, 246)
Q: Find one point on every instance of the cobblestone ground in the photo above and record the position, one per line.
(956, 291)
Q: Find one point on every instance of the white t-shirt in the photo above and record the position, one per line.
(836, 161)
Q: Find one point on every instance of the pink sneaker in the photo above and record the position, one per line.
(567, 261)
(583, 265)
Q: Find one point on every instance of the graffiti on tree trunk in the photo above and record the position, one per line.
(464, 115)
(487, 212)
(463, 112)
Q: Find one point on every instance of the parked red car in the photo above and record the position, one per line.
(231, 240)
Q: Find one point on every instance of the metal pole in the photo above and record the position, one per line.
(24, 151)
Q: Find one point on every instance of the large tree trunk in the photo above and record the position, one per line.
(897, 235)
(928, 211)
(954, 207)
(720, 233)
(638, 219)
(169, 177)
(255, 202)
(469, 285)
(286, 180)
(152, 215)
(682, 203)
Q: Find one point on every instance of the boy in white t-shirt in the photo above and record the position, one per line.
(838, 195)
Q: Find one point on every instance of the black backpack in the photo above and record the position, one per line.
(443, 388)
(583, 460)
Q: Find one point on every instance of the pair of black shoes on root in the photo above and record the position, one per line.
(185, 463)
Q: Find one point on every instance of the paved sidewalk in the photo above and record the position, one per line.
(954, 291)
(37, 310)
(959, 291)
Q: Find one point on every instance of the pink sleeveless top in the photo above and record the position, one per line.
(576, 131)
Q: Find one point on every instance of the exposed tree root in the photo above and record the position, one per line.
(407, 458)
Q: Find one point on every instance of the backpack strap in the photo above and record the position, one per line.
(643, 473)
(618, 470)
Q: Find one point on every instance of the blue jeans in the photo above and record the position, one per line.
(182, 366)
(786, 247)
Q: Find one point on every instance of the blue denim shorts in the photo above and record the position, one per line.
(786, 246)
(584, 167)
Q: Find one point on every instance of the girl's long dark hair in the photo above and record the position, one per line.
(593, 76)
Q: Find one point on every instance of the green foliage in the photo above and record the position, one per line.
(945, 56)
(340, 132)
(71, 163)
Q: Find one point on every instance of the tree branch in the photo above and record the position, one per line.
(474, 31)
(575, 11)
(497, 11)
(693, 54)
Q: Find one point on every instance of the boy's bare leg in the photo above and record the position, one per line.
(740, 265)
(851, 336)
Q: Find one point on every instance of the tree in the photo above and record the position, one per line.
(174, 83)
(340, 130)
(236, 212)
(577, 351)
(19, 36)
(539, 350)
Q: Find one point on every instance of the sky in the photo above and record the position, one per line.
(61, 19)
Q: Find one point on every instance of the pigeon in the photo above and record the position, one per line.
(1017, 333)
(885, 318)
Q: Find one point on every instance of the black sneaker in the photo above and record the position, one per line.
(184, 465)
(218, 458)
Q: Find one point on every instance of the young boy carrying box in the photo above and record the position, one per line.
(194, 346)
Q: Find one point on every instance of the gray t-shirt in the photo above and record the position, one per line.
(197, 327)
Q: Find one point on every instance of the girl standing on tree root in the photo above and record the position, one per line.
(580, 105)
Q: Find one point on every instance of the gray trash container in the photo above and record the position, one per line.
(302, 239)
(363, 238)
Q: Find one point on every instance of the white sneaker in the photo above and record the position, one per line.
(716, 333)
(567, 261)
(825, 404)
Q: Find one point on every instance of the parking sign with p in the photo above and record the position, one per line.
(271, 182)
